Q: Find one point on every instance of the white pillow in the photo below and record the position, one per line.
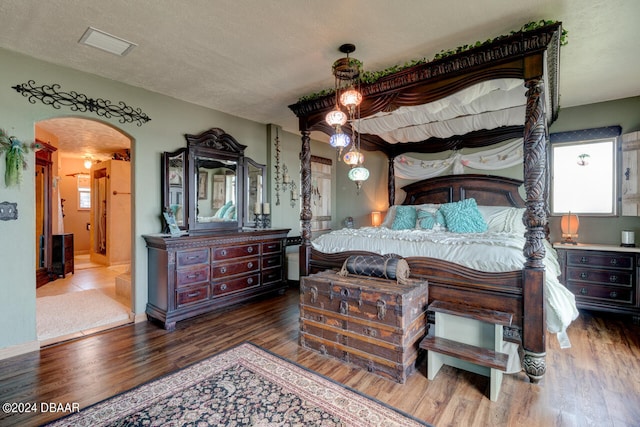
(503, 219)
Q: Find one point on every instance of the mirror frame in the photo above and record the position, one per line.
(213, 143)
(248, 211)
(166, 185)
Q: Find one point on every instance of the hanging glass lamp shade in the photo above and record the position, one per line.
(353, 157)
(339, 140)
(351, 98)
(336, 117)
(359, 174)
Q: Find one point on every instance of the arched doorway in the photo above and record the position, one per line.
(91, 217)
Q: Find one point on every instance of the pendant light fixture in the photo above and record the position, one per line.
(347, 78)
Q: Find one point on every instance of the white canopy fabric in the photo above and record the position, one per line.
(486, 105)
(510, 154)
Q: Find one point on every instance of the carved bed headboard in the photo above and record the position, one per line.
(488, 190)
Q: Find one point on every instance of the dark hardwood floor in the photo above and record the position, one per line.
(594, 383)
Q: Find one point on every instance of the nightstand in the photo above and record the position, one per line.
(602, 277)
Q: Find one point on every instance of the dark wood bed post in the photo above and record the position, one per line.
(535, 183)
(305, 213)
(391, 185)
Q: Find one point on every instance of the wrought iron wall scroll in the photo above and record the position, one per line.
(51, 95)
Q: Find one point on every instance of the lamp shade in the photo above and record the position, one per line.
(376, 218)
(339, 140)
(353, 157)
(351, 98)
(336, 118)
(359, 174)
(569, 226)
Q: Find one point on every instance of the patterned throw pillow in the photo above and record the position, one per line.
(429, 219)
(405, 218)
(463, 217)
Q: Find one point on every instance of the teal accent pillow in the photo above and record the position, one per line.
(223, 210)
(405, 218)
(230, 213)
(428, 219)
(464, 217)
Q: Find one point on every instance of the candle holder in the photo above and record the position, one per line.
(262, 220)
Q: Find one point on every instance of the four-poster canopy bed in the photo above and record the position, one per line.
(531, 57)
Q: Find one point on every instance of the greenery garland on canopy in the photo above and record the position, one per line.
(372, 76)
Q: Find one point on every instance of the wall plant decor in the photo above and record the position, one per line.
(51, 95)
(16, 163)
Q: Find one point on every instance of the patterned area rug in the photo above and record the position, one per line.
(243, 386)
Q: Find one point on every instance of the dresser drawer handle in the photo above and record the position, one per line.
(193, 294)
(584, 259)
(223, 270)
(193, 257)
(272, 246)
(614, 261)
(249, 264)
(613, 278)
(223, 287)
(584, 291)
(272, 261)
(250, 249)
(223, 252)
(250, 280)
(192, 276)
(584, 275)
(613, 294)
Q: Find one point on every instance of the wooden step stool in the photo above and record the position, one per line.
(468, 338)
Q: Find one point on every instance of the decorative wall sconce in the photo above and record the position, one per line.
(283, 181)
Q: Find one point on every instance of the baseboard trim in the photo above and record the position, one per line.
(139, 317)
(17, 350)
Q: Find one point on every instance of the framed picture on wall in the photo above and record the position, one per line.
(202, 184)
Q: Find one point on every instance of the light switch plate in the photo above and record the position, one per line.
(8, 211)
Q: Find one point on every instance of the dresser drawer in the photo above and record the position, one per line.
(235, 251)
(600, 259)
(233, 285)
(595, 292)
(603, 277)
(272, 275)
(221, 270)
(187, 258)
(192, 295)
(271, 261)
(271, 247)
(192, 275)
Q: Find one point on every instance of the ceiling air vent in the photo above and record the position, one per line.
(105, 41)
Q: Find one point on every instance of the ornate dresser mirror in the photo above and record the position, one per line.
(215, 181)
(174, 185)
(255, 178)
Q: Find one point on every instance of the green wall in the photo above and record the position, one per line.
(170, 120)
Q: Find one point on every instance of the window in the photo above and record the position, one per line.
(84, 192)
(584, 174)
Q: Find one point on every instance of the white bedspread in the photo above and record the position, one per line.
(489, 252)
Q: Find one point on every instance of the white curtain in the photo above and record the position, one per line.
(502, 157)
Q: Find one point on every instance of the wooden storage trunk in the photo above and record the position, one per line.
(374, 323)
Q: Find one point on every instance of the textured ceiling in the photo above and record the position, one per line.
(253, 58)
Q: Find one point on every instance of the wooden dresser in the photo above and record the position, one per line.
(194, 274)
(62, 261)
(602, 277)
